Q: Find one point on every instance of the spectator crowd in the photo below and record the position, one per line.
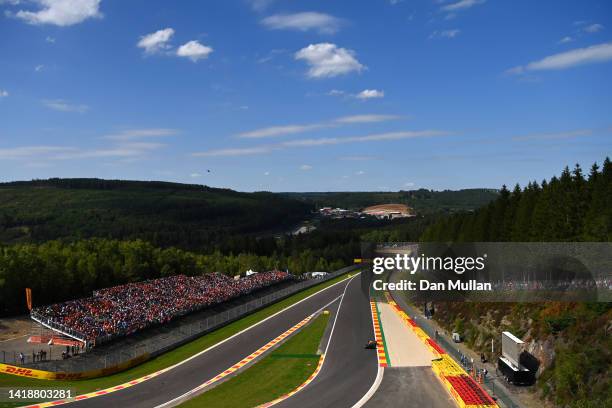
(125, 309)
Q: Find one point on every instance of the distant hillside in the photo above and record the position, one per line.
(422, 200)
(163, 213)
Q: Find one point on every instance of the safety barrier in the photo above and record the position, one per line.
(51, 375)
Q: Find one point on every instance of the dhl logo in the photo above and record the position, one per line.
(68, 376)
(26, 372)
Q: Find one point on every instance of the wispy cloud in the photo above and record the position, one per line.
(461, 5)
(61, 12)
(3, 93)
(326, 141)
(593, 28)
(305, 167)
(552, 136)
(580, 56)
(305, 21)
(566, 39)
(32, 151)
(63, 106)
(275, 131)
(357, 158)
(244, 151)
(133, 134)
(260, 5)
(327, 60)
(374, 118)
(445, 34)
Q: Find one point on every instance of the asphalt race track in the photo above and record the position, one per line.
(189, 375)
(349, 369)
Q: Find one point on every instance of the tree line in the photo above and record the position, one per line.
(571, 207)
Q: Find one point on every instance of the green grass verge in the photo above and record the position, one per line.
(275, 375)
(171, 357)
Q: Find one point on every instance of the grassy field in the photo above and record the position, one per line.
(275, 375)
(172, 357)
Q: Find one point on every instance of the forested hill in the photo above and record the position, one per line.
(572, 207)
(184, 215)
(423, 201)
(571, 340)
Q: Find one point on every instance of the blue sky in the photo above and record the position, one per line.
(287, 95)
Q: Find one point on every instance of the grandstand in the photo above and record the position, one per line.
(126, 309)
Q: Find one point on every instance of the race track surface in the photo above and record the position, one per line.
(410, 387)
(349, 369)
(189, 375)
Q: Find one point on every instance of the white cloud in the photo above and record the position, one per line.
(134, 134)
(445, 34)
(39, 68)
(157, 41)
(360, 173)
(462, 5)
(328, 60)
(593, 28)
(357, 158)
(260, 5)
(336, 92)
(3, 93)
(275, 131)
(310, 20)
(246, 151)
(195, 175)
(560, 135)
(367, 118)
(568, 59)
(566, 40)
(267, 173)
(305, 167)
(194, 51)
(31, 151)
(360, 139)
(370, 94)
(409, 184)
(63, 106)
(122, 150)
(50, 40)
(328, 141)
(61, 12)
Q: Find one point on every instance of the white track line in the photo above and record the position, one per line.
(375, 384)
(331, 334)
(186, 396)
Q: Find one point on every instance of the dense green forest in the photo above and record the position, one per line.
(423, 201)
(572, 207)
(165, 214)
(573, 339)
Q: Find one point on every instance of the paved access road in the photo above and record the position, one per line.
(349, 369)
(189, 375)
